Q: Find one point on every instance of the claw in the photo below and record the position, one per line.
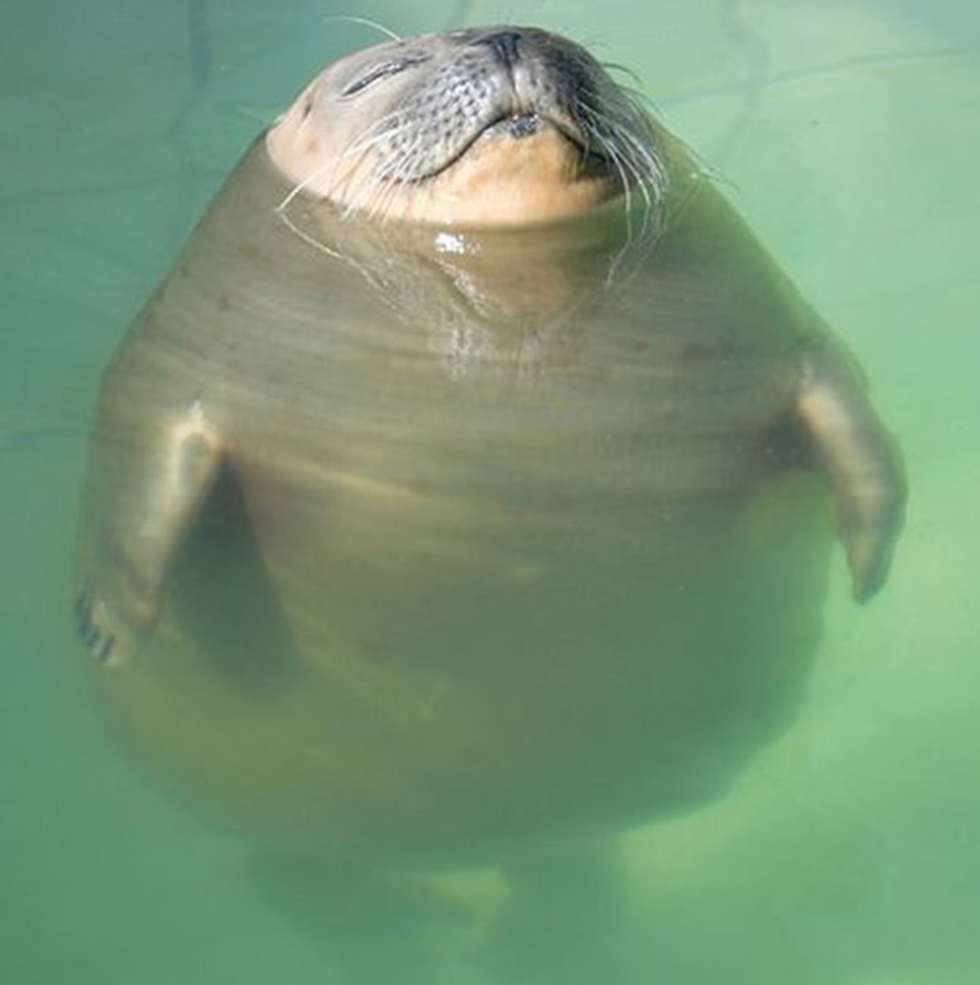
(105, 649)
(92, 638)
(96, 628)
(83, 616)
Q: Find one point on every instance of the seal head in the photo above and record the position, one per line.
(480, 127)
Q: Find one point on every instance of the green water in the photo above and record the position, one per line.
(848, 854)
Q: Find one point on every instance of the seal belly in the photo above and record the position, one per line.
(429, 611)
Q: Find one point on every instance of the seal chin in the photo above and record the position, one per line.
(505, 178)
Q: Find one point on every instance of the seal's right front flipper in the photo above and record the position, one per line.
(146, 486)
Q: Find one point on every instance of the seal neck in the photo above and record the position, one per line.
(539, 273)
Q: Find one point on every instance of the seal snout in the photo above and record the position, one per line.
(535, 79)
(520, 115)
(502, 82)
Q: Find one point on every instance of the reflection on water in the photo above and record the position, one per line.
(845, 854)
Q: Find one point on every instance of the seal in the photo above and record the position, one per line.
(469, 486)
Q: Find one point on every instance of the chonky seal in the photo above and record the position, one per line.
(470, 483)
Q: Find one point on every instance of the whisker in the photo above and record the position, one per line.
(384, 129)
(613, 155)
(613, 67)
(615, 135)
(307, 238)
(314, 175)
(363, 22)
(629, 131)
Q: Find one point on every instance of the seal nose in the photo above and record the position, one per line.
(505, 44)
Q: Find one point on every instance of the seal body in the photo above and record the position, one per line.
(429, 539)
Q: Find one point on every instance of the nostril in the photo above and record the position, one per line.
(504, 44)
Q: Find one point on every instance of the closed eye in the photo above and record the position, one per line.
(382, 71)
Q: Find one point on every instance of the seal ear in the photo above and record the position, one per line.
(146, 490)
(860, 457)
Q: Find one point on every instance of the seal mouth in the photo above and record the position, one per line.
(521, 125)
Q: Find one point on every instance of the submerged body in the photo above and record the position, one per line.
(499, 563)
(439, 539)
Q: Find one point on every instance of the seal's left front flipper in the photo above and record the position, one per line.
(861, 459)
(146, 489)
